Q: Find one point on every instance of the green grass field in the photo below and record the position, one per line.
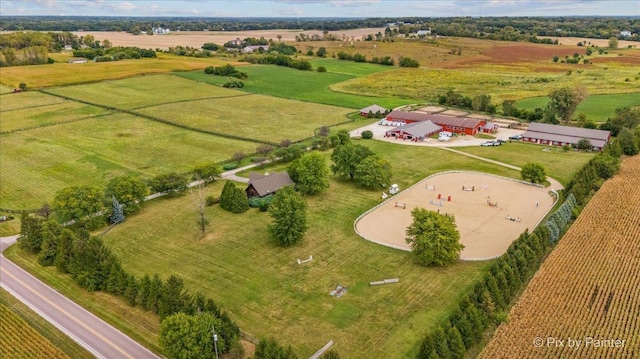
(47, 331)
(31, 117)
(558, 164)
(35, 164)
(144, 91)
(24, 100)
(294, 84)
(351, 68)
(5, 89)
(595, 107)
(268, 294)
(253, 116)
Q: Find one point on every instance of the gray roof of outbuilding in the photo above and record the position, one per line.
(373, 108)
(266, 184)
(418, 129)
(578, 132)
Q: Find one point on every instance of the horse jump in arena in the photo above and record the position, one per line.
(431, 188)
(401, 205)
(514, 219)
(491, 204)
(440, 203)
(467, 188)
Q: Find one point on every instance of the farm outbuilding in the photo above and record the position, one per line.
(265, 184)
(556, 135)
(416, 131)
(373, 109)
(468, 126)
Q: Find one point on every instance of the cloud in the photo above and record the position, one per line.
(290, 11)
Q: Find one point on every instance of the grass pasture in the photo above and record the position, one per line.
(39, 76)
(269, 294)
(29, 99)
(595, 107)
(31, 117)
(143, 91)
(253, 116)
(310, 86)
(559, 165)
(35, 164)
(5, 89)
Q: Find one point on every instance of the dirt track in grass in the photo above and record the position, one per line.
(485, 231)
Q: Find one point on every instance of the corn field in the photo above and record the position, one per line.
(584, 302)
(19, 341)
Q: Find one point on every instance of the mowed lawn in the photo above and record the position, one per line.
(595, 107)
(35, 164)
(311, 86)
(264, 289)
(30, 117)
(23, 100)
(143, 91)
(559, 165)
(253, 116)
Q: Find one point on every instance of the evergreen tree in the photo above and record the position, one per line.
(144, 291)
(456, 345)
(426, 347)
(65, 246)
(233, 199)
(155, 293)
(49, 250)
(172, 297)
(30, 233)
(131, 291)
(117, 216)
(440, 341)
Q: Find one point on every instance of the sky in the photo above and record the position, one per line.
(320, 8)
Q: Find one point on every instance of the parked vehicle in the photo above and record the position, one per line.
(501, 141)
(490, 143)
(516, 137)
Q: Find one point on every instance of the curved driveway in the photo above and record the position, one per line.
(100, 338)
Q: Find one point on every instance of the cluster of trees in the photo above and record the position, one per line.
(480, 103)
(25, 48)
(249, 41)
(625, 125)
(358, 163)
(192, 51)
(533, 172)
(434, 238)
(277, 59)
(225, 70)
(114, 53)
(233, 199)
(357, 57)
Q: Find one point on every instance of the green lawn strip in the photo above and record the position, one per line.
(35, 164)
(140, 325)
(10, 227)
(264, 289)
(141, 91)
(595, 107)
(44, 115)
(294, 84)
(256, 117)
(5, 89)
(25, 100)
(352, 68)
(48, 331)
(559, 165)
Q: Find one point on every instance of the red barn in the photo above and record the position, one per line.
(469, 126)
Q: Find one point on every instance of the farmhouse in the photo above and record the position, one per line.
(161, 31)
(416, 131)
(468, 126)
(564, 135)
(373, 109)
(261, 185)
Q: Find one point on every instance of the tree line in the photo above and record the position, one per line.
(499, 28)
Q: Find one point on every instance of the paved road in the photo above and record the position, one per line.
(100, 338)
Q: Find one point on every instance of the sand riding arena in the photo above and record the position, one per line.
(490, 211)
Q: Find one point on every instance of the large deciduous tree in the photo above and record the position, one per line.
(310, 173)
(289, 213)
(129, 191)
(533, 172)
(190, 336)
(346, 159)
(171, 183)
(433, 237)
(373, 172)
(564, 101)
(79, 203)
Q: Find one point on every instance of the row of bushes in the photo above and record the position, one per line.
(489, 301)
(279, 60)
(94, 267)
(119, 53)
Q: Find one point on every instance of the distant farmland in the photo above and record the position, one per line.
(595, 107)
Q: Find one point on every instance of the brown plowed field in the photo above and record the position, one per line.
(584, 302)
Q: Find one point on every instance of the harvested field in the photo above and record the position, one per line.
(485, 231)
(597, 42)
(198, 38)
(588, 289)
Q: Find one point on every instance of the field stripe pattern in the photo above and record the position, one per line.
(588, 290)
